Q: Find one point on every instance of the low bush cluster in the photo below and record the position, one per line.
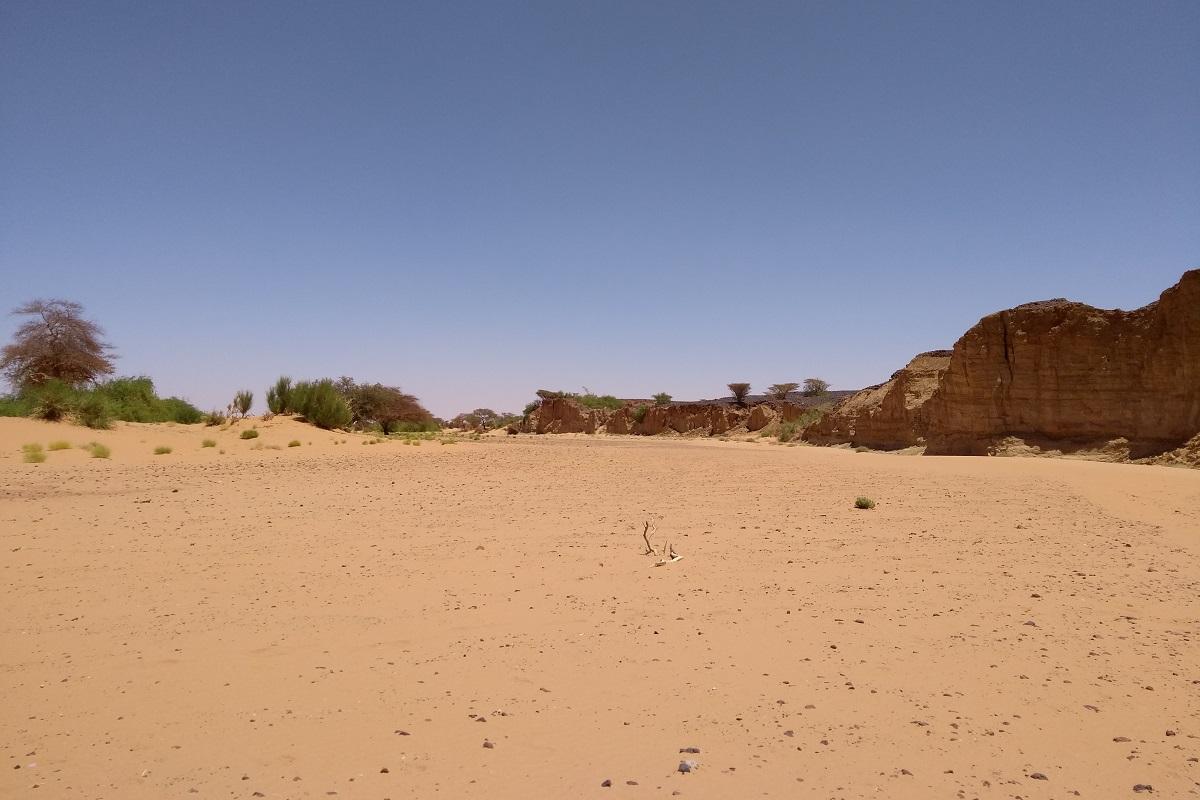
(126, 399)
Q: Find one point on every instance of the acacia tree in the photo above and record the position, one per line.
(386, 405)
(815, 387)
(780, 391)
(55, 343)
(739, 390)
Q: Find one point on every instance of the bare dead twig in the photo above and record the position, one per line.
(650, 551)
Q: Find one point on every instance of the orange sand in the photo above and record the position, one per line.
(340, 620)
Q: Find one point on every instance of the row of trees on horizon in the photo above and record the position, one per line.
(58, 365)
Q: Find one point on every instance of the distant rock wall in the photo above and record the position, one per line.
(890, 416)
(1067, 376)
(1053, 377)
(565, 415)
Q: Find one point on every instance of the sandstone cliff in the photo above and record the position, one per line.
(1066, 376)
(890, 416)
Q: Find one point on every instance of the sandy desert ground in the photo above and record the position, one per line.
(340, 620)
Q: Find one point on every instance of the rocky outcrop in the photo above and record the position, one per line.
(760, 417)
(890, 416)
(566, 415)
(1065, 376)
(563, 415)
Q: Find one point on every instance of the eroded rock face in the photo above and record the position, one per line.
(1068, 376)
(564, 415)
(760, 417)
(890, 416)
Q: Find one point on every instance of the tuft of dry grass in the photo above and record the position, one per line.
(33, 453)
(59, 445)
(161, 450)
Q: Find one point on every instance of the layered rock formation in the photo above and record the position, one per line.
(565, 415)
(1067, 376)
(1053, 377)
(890, 416)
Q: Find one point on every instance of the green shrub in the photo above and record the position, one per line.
(294, 443)
(250, 434)
(209, 443)
(242, 400)
(214, 418)
(161, 450)
(530, 408)
(321, 404)
(279, 396)
(181, 411)
(130, 399)
(598, 401)
(53, 401)
(98, 450)
(428, 426)
(16, 405)
(133, 399)
(59, 445)
(790, 430)
(32, 453)
(639, 414)
(662, 399)
(94, 412)
(863, 502)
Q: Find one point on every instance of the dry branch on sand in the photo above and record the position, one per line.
(667, 556)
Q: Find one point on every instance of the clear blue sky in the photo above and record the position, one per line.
(475, 200)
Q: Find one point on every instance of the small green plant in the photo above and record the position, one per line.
(250, 434)
(214, 418)
(59, 445)
(32, 453)
(98, 450)
(294, 443)
(242, 400)
(790, 430)
(161, 450)
(639, 414)
(662, 399)
(209, 443)
(864, 502)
